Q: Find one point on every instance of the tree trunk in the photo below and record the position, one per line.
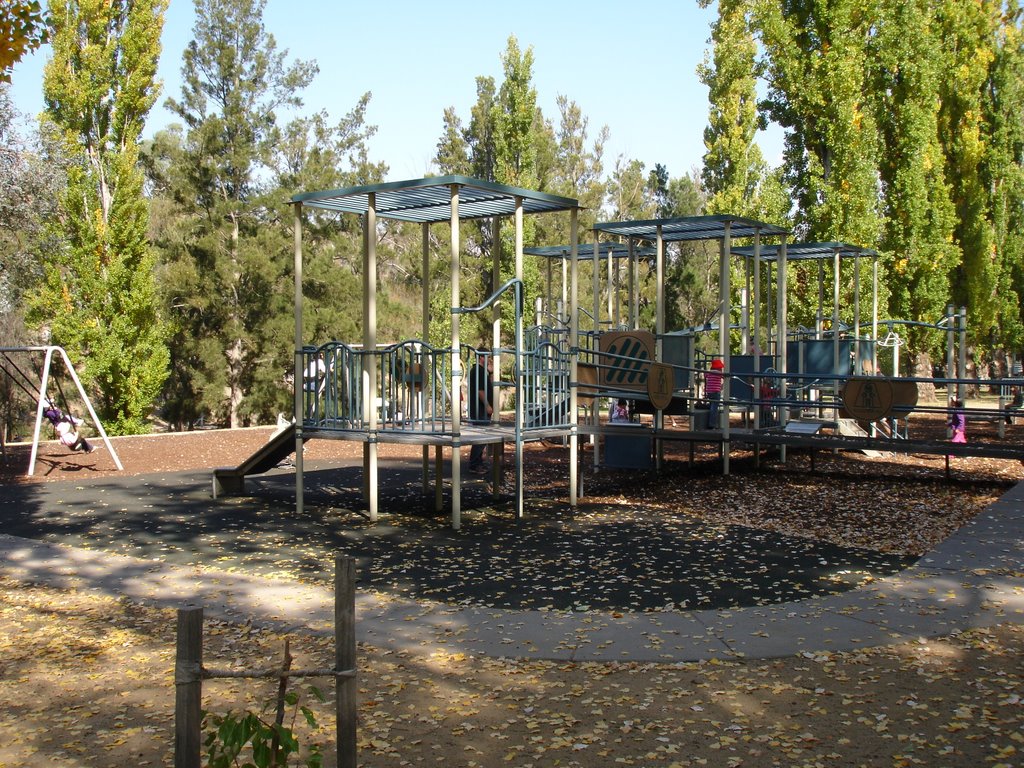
(923, 370)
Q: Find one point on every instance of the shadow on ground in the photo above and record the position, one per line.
(609, 556)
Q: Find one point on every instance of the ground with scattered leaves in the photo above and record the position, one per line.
(87, 681)
(87, 678)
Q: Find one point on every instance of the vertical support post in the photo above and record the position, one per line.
(962, 325)
(780, 341)
(426, 367)
(548, 269)
(659, 329)
(439, 477)
(596, 275)
(595, 346)
(345, 688)
(299, 372)
(564, 317)
(498, 449)
(856, 314)
(745, 309)
(756, 318)
(574, 355)
(724, 315)
(836, 268)
(950, 349)
(370, 349)
(188, 688)
(613, 311)
(634, 312)
(874, 315)
(819, 327)
(517, 365)
(496, 307)
(456, 363)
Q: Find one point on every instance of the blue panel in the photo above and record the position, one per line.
(675, 350)
(741, 368)
(818, 357)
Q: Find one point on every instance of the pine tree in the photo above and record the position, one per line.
(99, 296)
(224, 283)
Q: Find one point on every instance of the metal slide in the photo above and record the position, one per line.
(230, 481)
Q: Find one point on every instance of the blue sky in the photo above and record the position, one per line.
(630, 66)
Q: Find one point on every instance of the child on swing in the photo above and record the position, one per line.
(66, 427)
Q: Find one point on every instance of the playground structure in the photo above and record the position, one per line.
(817, 388)
(39, 394)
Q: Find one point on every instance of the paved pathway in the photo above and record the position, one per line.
(975, 578)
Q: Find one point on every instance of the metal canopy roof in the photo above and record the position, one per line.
(585, 251)
(429, 200)
(690, 228)
(799, 251)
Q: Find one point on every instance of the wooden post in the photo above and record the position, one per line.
(345, 658)
(188, 688)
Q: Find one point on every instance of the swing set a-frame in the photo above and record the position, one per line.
(25, 382)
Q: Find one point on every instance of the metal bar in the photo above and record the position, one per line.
(299, 361)
(456, 385)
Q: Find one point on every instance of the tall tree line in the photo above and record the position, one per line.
(902, 133)
(905, 141)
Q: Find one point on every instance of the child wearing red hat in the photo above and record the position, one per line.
(713, 381)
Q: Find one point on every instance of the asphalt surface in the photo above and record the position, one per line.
(619, 558)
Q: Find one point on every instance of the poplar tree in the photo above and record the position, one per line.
(817, 77)
(919, 214)
(968, 35)
(733, 165)
(1004, 105)
(99, 299)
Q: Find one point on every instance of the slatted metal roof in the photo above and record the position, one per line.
(429, 200)
(585, 251)
(690, 228)
(807, 251)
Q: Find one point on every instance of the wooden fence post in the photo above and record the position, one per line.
(188, 688)
(345, 688)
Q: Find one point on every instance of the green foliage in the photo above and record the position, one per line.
(819, 92)
(919, 212)
(98, 297)
(258, 741)
(22, 30)
(225, 234)
(733, 165)
(32, 170)
(904, 134)
(1004, 171)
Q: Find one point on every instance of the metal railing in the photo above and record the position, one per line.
(410, 388)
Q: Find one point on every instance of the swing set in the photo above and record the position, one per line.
(26, 383)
